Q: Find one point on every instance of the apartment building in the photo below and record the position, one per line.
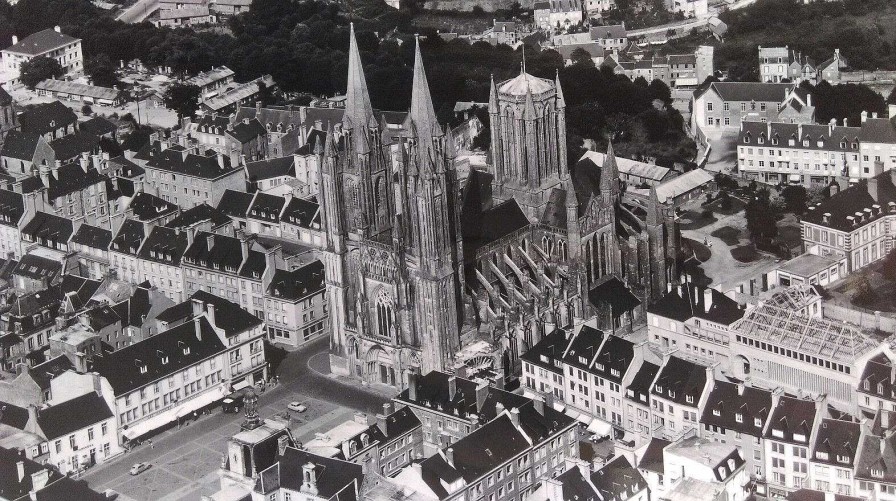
(803, 154)
(782, 64)
(834, 455)
(679, 392)
(553, 15)
(736, 413)
(296, 305)
(159, 260)
(724, 105)
(713, 469)
(789, 434)
(186, 177)
(52, 43)
(855, 223)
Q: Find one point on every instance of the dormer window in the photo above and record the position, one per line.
(757, 422)
(877, 473)
(739, 417)
(821, 455)
(880, 388)
(689, 399)
(614, 372)
(600, 367)
(716, 412)
(671, 393)
(583, 360)
(842, 459)
(866, 385)
(843, 145)
(805, 142)
(774, 140)
(747, 139)
(659, 389)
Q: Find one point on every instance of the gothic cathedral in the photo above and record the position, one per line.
(420, 263)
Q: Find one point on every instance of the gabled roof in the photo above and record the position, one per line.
(614, 358)
(877, 130)
(228, 315)
(235, 203)
(73, 415)
(189, 164)
(98, 126)
(265, 207)
(20, 145)
(551, 347)
(129, 237)
(748, 91)
(42, 42)
(492, 224)
(78, 89)
(148, 207)
(689, 301)
(837, 442)
(93, 237)
(45, 372)
(335, 479)
(297, 284)
(618, 479)
(43, 118)
(68, 179)
(652, 459)
(639, 389)
(198, 214)
(37, 267)
(735, 406)
(271, 168)
(225, 252)
(792, 416)
(301, 212)
(610, 31)
(123, 368)
(244, 132)
(680, 381)
(49, 228)
(12, 208)
(164, 245)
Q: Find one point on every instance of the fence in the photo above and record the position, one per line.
(884, 322)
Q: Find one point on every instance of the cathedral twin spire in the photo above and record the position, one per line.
(358, 110)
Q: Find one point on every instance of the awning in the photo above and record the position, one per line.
(571, 413)
(584, 419)
(161, 419)
(240, 385)
(795, 177)
(558, 406)
(601, 428)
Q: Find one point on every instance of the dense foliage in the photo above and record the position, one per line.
(844, 101)
(39, 69)
(863, 30)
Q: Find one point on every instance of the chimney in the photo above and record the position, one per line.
(845, 122)
(220, 158)
(538, 403)
(15, 39)
(481, 394)
(874, 114)
(412, 386)
(210, 240)
(740, 389)
(198, 326)
(891, 110)
(452, 388)
(309, 479)
(85, 162)
(56, 29)
(244, 248)
(20, 467)
(282, 442)
(449, 456)
(864, 116)
(707, 299)
(257, 105)
(198, 307)
(515, 416)
(97, 384)
(872, 188)
(210, 311)
(809, 100)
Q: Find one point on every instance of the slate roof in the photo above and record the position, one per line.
(297, 284)
(226, 252)
(42, 42)
(265, 207)
(303, 213)
(129, 237)
(737, 407)
(877, 130)
(198, 214)
(235, 203)
(614, 358)
(48, 228)
(12, 208)
(855, 198)
(98, 126)
(93, 237)
(830, 137)
(336, 479)
(189, 164)
(792, 416)
(748, 91)
(652, 460)
(550, 346)
(19, 145)
(228, 315)
(878, 375)
(639, 389)
(271, 168)
(689, 301)
(122, 367)
(37, 267)
(574, 485)
(492, 224)
(615, 293)
(73, 415)
(618, 479)
(71, 179)
(211, 76)
(148, 207)
(78, 89)
(10, 485)
(246, 132)
(44, 118)
(164, 245)
(680, 381)
(583, 347)
(610, 31)
(839, 439)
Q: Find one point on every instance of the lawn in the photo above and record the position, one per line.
(745, 253)
(693, 248)
(728, 234)
(693, 220)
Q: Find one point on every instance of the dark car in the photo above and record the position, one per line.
(234, 401)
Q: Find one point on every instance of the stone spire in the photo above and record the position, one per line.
(654, 210)
(529, 110)
(422, 112)
(358, 111)
(450, 146)
(609, 174)
(493, 97)
(561, 103)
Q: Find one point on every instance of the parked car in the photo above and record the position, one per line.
(139, 468)
(297, 407)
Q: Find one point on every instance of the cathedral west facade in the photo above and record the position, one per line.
(420, 263)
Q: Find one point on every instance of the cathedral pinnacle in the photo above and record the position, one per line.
(654, 215)
(493, 97)
(609, 175)
(529, 110)
(358, 110)
(422, 112)
(561, 103)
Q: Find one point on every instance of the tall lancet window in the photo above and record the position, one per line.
(384, 319)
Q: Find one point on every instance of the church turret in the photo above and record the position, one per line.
(654, 209)
(358, 110)
(563, 165)
(658, 237)
(497, 142)
(609, 178)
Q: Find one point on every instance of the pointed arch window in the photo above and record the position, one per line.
(384, 315)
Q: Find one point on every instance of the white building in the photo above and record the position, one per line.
(50, 43)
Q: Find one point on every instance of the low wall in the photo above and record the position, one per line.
(867, 319)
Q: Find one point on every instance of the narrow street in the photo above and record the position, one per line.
(185, 461)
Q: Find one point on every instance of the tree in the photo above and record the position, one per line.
(101, 71)
(38, 69)
(888, 266)
(582, 57)
(760, 218)
(182, 98)
(724, 200)
(796, 199)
